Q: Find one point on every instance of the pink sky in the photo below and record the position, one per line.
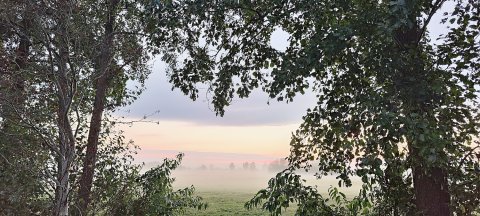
(158, 141)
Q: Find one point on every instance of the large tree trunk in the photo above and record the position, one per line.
(431, 191)
(104, 75)
(92, 144)
(432, 197)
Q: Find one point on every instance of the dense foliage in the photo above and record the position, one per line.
(150, 193)
(64, 70)
(395, 107)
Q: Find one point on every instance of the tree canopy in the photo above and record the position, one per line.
(64, 69)
(395, 107)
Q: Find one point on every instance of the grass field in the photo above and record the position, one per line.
(228, 203)
(226, 191)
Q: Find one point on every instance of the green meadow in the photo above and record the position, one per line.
(226, 191)
(229, 203)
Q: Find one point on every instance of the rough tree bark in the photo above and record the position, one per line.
(431, 191)
(104, 74)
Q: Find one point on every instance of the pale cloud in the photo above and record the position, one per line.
(175, 106)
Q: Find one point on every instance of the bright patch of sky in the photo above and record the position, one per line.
(258, 109)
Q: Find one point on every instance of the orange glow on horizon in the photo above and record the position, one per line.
(184, 136)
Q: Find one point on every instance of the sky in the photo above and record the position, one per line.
(255, 129)
(251, 128)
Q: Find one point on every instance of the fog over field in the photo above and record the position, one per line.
(210, 172)
(250, 181)
(211, 160)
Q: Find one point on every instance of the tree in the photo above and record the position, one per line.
(231, 166)
(278, 165)
(44, 73)
(394, 108)
(246, 165)
(62, 80)
(120, 56)
(252, 166)
(22, 158)
(65, 68)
